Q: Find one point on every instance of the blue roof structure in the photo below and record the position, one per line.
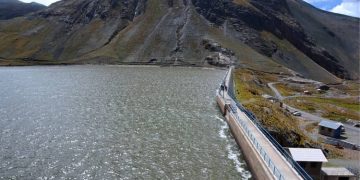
(331, 124)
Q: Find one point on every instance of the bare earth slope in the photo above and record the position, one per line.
(268, 35)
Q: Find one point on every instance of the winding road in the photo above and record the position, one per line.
(352, 132)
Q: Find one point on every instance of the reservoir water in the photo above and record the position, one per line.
(114, 122)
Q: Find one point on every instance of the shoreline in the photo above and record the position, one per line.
(132, 64)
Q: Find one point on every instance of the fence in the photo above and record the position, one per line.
(267, 159)
(252, 117)
(342, 143)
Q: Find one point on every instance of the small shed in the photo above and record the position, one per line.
(310, 159)
(330, 128)
(336, 173)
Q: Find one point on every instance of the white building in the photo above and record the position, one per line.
(309, 159)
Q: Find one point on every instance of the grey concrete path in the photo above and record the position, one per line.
(277, 93)
(352, 132)
(281, 163)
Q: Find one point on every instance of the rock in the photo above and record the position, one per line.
(78, 30)
(220, 56)
(271, 16)
(219, 59)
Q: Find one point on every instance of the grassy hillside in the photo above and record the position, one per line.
(263, 35)
(250, 85)
(331, 108)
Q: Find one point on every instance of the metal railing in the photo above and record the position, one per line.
(263, 154)
(267, 159)
(282, 151)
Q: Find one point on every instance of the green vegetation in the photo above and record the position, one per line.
(350, 87)
(339, 109)
(24, 45)
(333, 152)
(249, 86)
(286, 90)
(291, 89)
(249, 89)
(349, 103)
(311, 126)
(136, 33)
(79, 39)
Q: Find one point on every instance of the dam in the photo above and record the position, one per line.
(114, 122)
(266, 158)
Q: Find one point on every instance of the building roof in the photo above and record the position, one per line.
(331, 124)
(336, 171)
(307, 155)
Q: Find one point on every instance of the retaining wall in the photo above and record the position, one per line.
(255, 163)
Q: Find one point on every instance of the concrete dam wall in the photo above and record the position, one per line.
(265, 158)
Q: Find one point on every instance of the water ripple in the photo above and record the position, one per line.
(111, 122)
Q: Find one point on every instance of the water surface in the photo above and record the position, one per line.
(113, 122)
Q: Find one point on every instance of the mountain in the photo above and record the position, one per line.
(14, 8)
(267, 35)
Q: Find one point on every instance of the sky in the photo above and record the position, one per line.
(45, 2)
(347, 7)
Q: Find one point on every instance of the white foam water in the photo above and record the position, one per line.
(223, 128)
(232, 154)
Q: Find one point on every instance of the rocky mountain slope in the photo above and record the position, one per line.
(268, 35)
(14, 8)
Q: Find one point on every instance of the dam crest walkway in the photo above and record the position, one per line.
(266, 158)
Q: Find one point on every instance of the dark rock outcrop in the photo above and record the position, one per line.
(286, 32)
(84, 11)
(219, 55)
(271, 16)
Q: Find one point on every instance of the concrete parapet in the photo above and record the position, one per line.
(263, 159)
(256, 164)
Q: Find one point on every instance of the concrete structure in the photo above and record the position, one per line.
(309, 159)
(257, 166)
(330, 128)
(263, 159)
(334, 173)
